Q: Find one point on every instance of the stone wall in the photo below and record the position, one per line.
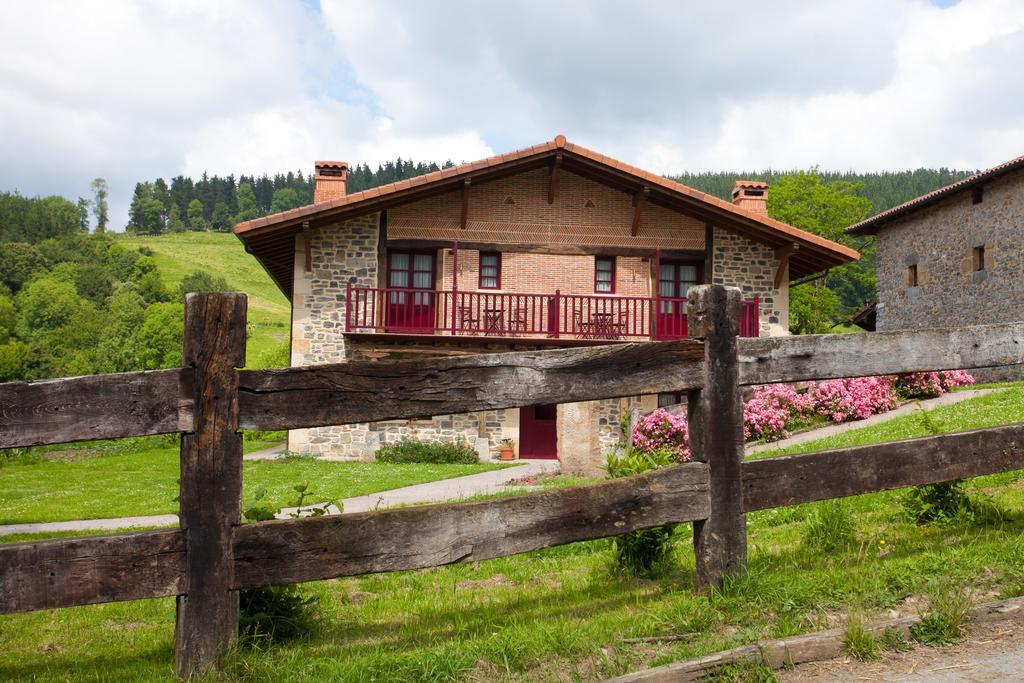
(342, 253)
(740, 262)
(939, 241)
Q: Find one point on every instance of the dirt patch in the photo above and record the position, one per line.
(990, 652)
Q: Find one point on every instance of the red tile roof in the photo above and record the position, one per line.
(870, 226)
(816, 253)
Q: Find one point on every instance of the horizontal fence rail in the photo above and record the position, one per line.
(98, 407)
(363, 392)
(212, 556)
(791, 479)
(770, 360)
(290, 551)
(159, 402)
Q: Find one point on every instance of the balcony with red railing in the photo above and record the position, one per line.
(373, 310)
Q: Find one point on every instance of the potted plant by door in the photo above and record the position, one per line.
(507, 451)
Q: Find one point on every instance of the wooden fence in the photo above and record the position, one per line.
(213, 555)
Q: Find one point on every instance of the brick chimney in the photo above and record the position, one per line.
(751, 195)
(330, 180)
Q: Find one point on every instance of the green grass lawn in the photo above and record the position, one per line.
(140, 478)
(561, 614)
(219, 253)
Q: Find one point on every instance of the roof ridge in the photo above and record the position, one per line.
(923, 200)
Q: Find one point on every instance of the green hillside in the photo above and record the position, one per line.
(218, 253)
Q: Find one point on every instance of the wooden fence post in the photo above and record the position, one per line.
(716, 432)
(211, 482)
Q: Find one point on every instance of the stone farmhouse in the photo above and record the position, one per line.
(549, 246)
(955, 252)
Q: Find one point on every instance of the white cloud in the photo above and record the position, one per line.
(136, 91)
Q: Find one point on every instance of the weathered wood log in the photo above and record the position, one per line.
(96, 407)
(355, 392)
(92, 569)
(791, 479)
(716, 433)
(827, 356)
(211, 482)
(291, 551)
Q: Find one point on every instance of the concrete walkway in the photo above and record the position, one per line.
(906, 409)
(430, 492)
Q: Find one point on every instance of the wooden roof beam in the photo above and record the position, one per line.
(556, 163)
(782, 254)
(465, 202)
(307, 243)
(639, 199)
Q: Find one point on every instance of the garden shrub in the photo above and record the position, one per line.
(772, 411)
(931, 384)
(646, 552)
(949, 503)
(854, 398)
(662, 431)
(830, 527)
(412, 450)
(274, 614)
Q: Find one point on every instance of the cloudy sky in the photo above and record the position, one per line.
(132, 91)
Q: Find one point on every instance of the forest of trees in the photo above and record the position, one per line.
(75, 303)
(216, 203)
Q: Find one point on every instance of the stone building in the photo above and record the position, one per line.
(549, 246)
(952, 256)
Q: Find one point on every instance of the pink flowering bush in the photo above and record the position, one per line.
(661, 430)
(772, 411)
(931, 384)
(855, 398)
(775, 409)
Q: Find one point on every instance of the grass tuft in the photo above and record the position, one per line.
(946, 622)
(858, 642)
(830, 527)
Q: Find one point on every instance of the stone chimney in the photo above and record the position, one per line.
(751, 195)
(330, 180)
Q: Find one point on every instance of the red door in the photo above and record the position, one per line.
(411, 295)
(538, 431)
(674, 281)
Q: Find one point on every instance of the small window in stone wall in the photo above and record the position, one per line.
(912, 275)
(978, 258)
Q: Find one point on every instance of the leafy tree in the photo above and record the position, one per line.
(157, 342)
(196, 221)
(14, 360)
(18, 260)
(162, 195)
(83, 214)
(284, 199)
(221, 219)
(8, 319)
(201, 281)
(46, 303)
(94, 282)
(806, 201)
(174, 222)
(812, 309)
(246, 203)
(147, 278)
(145, 214)
(100, 209)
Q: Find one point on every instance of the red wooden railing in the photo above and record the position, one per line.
(514, 314)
